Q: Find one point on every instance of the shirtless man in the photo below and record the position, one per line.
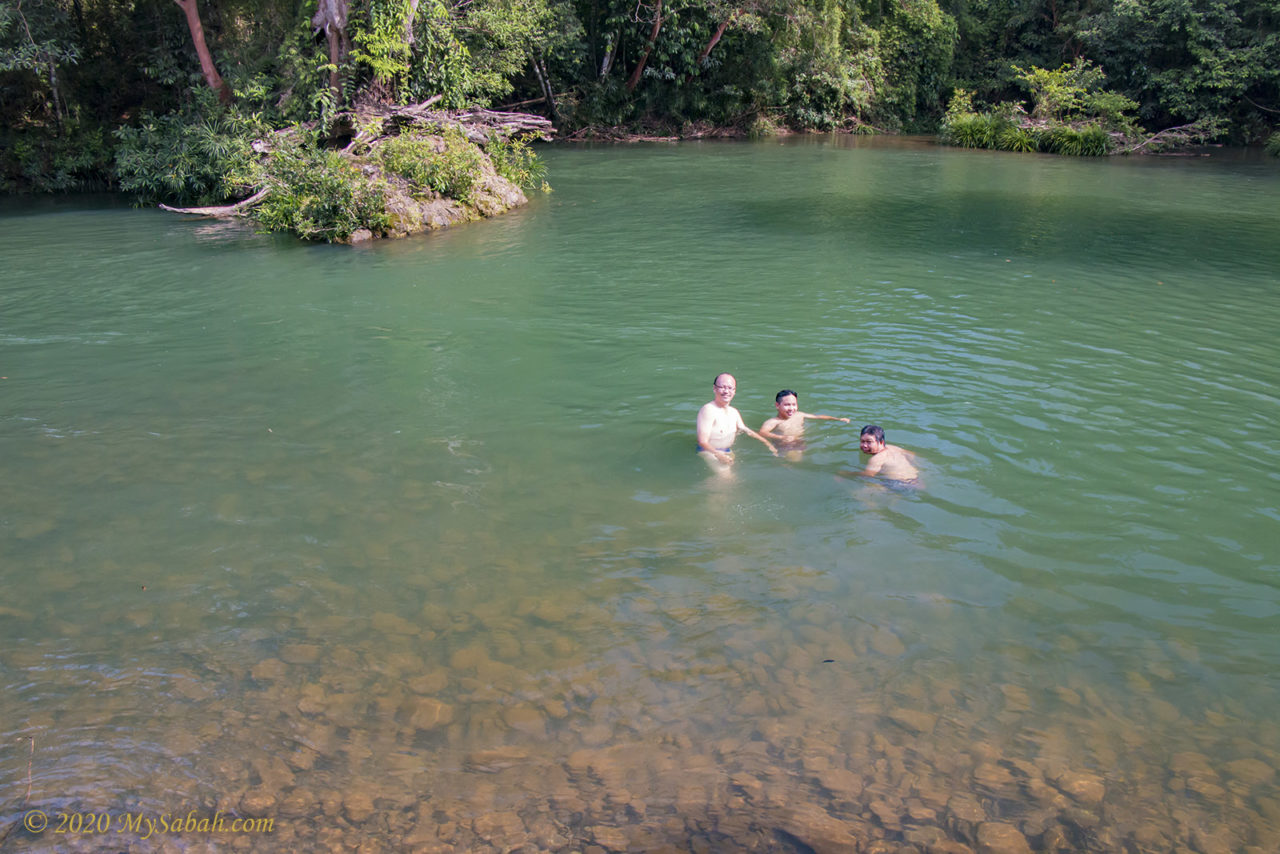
(788, 428)
(887, 461)
(719, 424)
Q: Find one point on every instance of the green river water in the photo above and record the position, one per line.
(407, 547)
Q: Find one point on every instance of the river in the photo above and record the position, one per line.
(406, 546)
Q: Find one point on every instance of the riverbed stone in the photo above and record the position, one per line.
(1190, 763)
(913, 721)
(886, 643)
(268, 670)
(1084, 788)
(428, 713)
(1250, 771)
(526, 719)
(996, 837)
(258, 802)
(504, 829)
(357, 806)
(429, 683)
(300, 653)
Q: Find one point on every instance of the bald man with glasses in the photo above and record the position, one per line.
(719, 424)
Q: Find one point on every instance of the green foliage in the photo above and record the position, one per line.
(831, 65)
(972, 130)
(1014, 138)
(451, 167)
(1273, 144)
(1185, 59)
(380, 43)
(71, 71)
(318, 194)
(763, 126)
(58, 159)
(514, 159)
(1073, 93)
(199, 156)
(1006, 128)
(919, 41)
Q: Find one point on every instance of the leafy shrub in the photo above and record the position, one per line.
(514, 159)
(319, 195)
(763, 126)
(1273, 144)
(188, 158)
(51, 159)
(1006, 127)
(452, 171)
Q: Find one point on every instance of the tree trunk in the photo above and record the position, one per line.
(634, 80)
(210, 71)
(408, 21)
(544, 81)
(715, 39)
(610, 52)
(331, 16)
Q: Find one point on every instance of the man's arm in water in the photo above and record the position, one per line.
(743, 428)
(766, 429)
(823, 417)
(873, 467)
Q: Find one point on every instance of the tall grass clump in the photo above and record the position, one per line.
(1089, 141)
(1014, 138)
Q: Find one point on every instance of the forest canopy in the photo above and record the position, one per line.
(90, 89)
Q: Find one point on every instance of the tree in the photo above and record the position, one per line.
(1184, 60)
(207, 68)
(40, 52)
(331, 18)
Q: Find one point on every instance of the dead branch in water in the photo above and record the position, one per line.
(237, 209)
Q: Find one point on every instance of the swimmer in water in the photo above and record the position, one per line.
(788, 428)
(719, 424)
(886, 461)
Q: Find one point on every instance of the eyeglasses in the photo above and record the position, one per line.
(727, 387)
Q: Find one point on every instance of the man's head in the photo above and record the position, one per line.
(871, 440)
(726, 386)
(787, 403)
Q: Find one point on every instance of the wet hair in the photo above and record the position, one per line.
(873, 430)
(786, 391)
(716, 381)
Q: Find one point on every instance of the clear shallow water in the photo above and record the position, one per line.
(407, 545)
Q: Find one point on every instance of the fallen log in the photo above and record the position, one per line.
(237, 209)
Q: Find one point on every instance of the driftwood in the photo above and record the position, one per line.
(373, 121)
(1182, 135)
(238, 209)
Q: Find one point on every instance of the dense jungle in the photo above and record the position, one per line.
(164, 99)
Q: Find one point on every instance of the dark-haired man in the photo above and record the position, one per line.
(887, 461)
(788, 428)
